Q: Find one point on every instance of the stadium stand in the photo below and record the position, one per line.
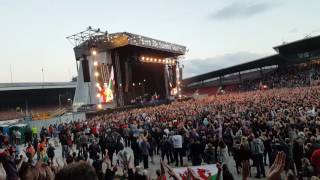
(296, 64)
(37, 100)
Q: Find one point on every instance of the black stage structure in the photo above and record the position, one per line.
(120, 69)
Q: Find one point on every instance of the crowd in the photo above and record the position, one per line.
(295, 76)
(279, 127)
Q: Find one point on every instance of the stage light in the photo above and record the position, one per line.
(139, 84)
(133, 84)
(96, 74)
(179, 82)
(147, 59)
(163, 61)
(142, 58)
(144, 80)
(120, 84)
(94, 52)
(151, 59)
(95, 63)
(99, 106)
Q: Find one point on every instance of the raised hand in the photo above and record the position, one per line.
(277, 167)
(194, 176)
(171, 172)
(3, 174)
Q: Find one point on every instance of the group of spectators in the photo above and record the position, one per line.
(279, 128)
(295, 76)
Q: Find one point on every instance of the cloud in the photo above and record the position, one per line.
(242, 9)
(193, 67)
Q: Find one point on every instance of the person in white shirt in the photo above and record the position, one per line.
(177, 142)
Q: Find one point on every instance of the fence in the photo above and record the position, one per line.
(56, 120)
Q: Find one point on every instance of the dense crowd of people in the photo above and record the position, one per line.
(279, 127)
(295, 76)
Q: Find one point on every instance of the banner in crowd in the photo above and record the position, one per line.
(205, 172)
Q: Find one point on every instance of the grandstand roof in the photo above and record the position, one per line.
(262, 62)
(300, 45)
(36, 85)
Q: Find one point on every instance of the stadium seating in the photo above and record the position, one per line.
(37, 113)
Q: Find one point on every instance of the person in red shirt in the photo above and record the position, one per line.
(315, 161)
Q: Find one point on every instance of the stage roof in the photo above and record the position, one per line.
(262, 62)
(300, 45)
(121, 39)
(36, 85)
(143, 41)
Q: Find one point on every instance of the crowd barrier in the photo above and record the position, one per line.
(67, 118)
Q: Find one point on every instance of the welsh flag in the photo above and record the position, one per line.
(205, 172)
(214, 177)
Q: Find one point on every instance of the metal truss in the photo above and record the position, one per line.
(90, 36)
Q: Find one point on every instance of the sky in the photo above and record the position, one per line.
(217, 33)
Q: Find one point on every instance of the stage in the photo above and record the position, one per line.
(121, 69)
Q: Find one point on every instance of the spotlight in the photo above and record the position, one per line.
(133, 84)
(120, 84)
(147, 59)
(94, 52)
(96, 74)
(95, 63)
(142, 58)
(139, 84)
(99, 106)
(163, 61)
(144, 80)
(179, 82)
(151, 59)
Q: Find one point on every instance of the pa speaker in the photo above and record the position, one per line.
(85, 70)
